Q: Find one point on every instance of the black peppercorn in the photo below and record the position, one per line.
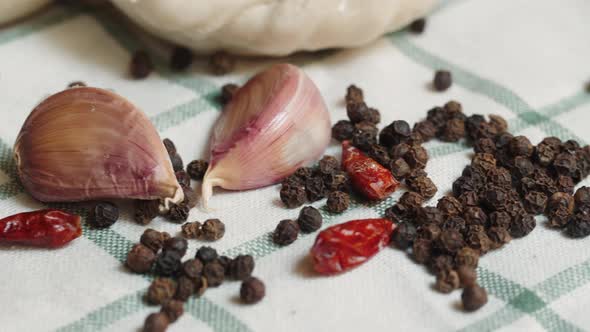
(454, 222)
(214, 273)
(286, 232)
(499, 236)
(450, 206)
(337, 202)
(428, 215)
(441, 263)
(140, 259)
(241, 267)
(183, 179)
(467, 275)
(421, 250)
(192, 268)
(522, 225)
(418, 25)
(179, 212)
(447, 281)
(196, 169)
(485, 145)
(161, 290)
(146, 211)
(191, 230)
(578, 226)
(474, 215)
(221, 63)
(181, 58)
(425, 129)
(177, 163)
(293, 195)
(206, 254)
(417, 157)
(185, 288)
(141, 65)
(177, 244)
(395, 133)
(310, 219)
(173, 310)
(520, 146)
(337, 181)
(403, 235)
(442, 80)
(228, 91)
(354, 94)
(450, 241)
(252, 290)
(315, 188)
(453, 130)
(103, 215)
(423, 185)
(342, 130)
(156, 322)
(213, 229)
(168, 263)
(152, 239)
(473, 297)
(535, 202)
(467, 256)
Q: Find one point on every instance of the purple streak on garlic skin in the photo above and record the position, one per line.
(88, 143)
(274, 124)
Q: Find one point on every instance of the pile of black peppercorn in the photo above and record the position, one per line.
(146, 210)
(508, 182)
(178, 280)
(287, 231)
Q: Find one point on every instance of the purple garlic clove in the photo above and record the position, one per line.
(274, 124)
(88, 143)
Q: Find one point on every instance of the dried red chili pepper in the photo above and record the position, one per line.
(43, 228)
(342, 247)
(366, 175)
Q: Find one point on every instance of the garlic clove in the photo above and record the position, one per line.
(89, 143)
(275, 123)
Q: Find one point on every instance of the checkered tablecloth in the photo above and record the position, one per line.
(525, 60)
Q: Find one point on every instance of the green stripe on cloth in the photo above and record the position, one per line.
(219, 319)
(41, 20)
(552, 322)
(104, 316)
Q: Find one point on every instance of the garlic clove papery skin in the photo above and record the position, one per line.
(274, 124)
(88, 143)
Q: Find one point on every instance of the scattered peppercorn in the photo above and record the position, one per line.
(141, 65)
(342, 130)
(404, 235)
(177, 163)
(103, 215)
(76, 84)
(146, 211)
(179, 212)
(423, 185)
(579, 226)
(228, 91)
(418, 26)
(196, 169)
(177, 244)
(286, 232)
(221, 63)
(467, 275)
(173, 310)
(191, 230)
(354, 94)
(337, 202)
(422, 250)
(395, 133)
(168, 263)
(206, 254)
(152, 239)
(214, 273)
(467, 257)
(161, 290)
(310, 219)
(447, 281)
(450, 206)
(442, 80)
(241, 267)
(192, 268)
(225, 262)
(213, 229)
(474, 297)
(293, 195)
(185, 288)
(181, 58)
(252, 290)
(170, 146)
(156, 322)
(140, 259)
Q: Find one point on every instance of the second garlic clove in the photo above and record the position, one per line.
(276, 123)
(89, 143)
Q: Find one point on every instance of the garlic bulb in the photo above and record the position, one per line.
(274, 124)
(272, 27)
(11, 10)
(88, 143)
